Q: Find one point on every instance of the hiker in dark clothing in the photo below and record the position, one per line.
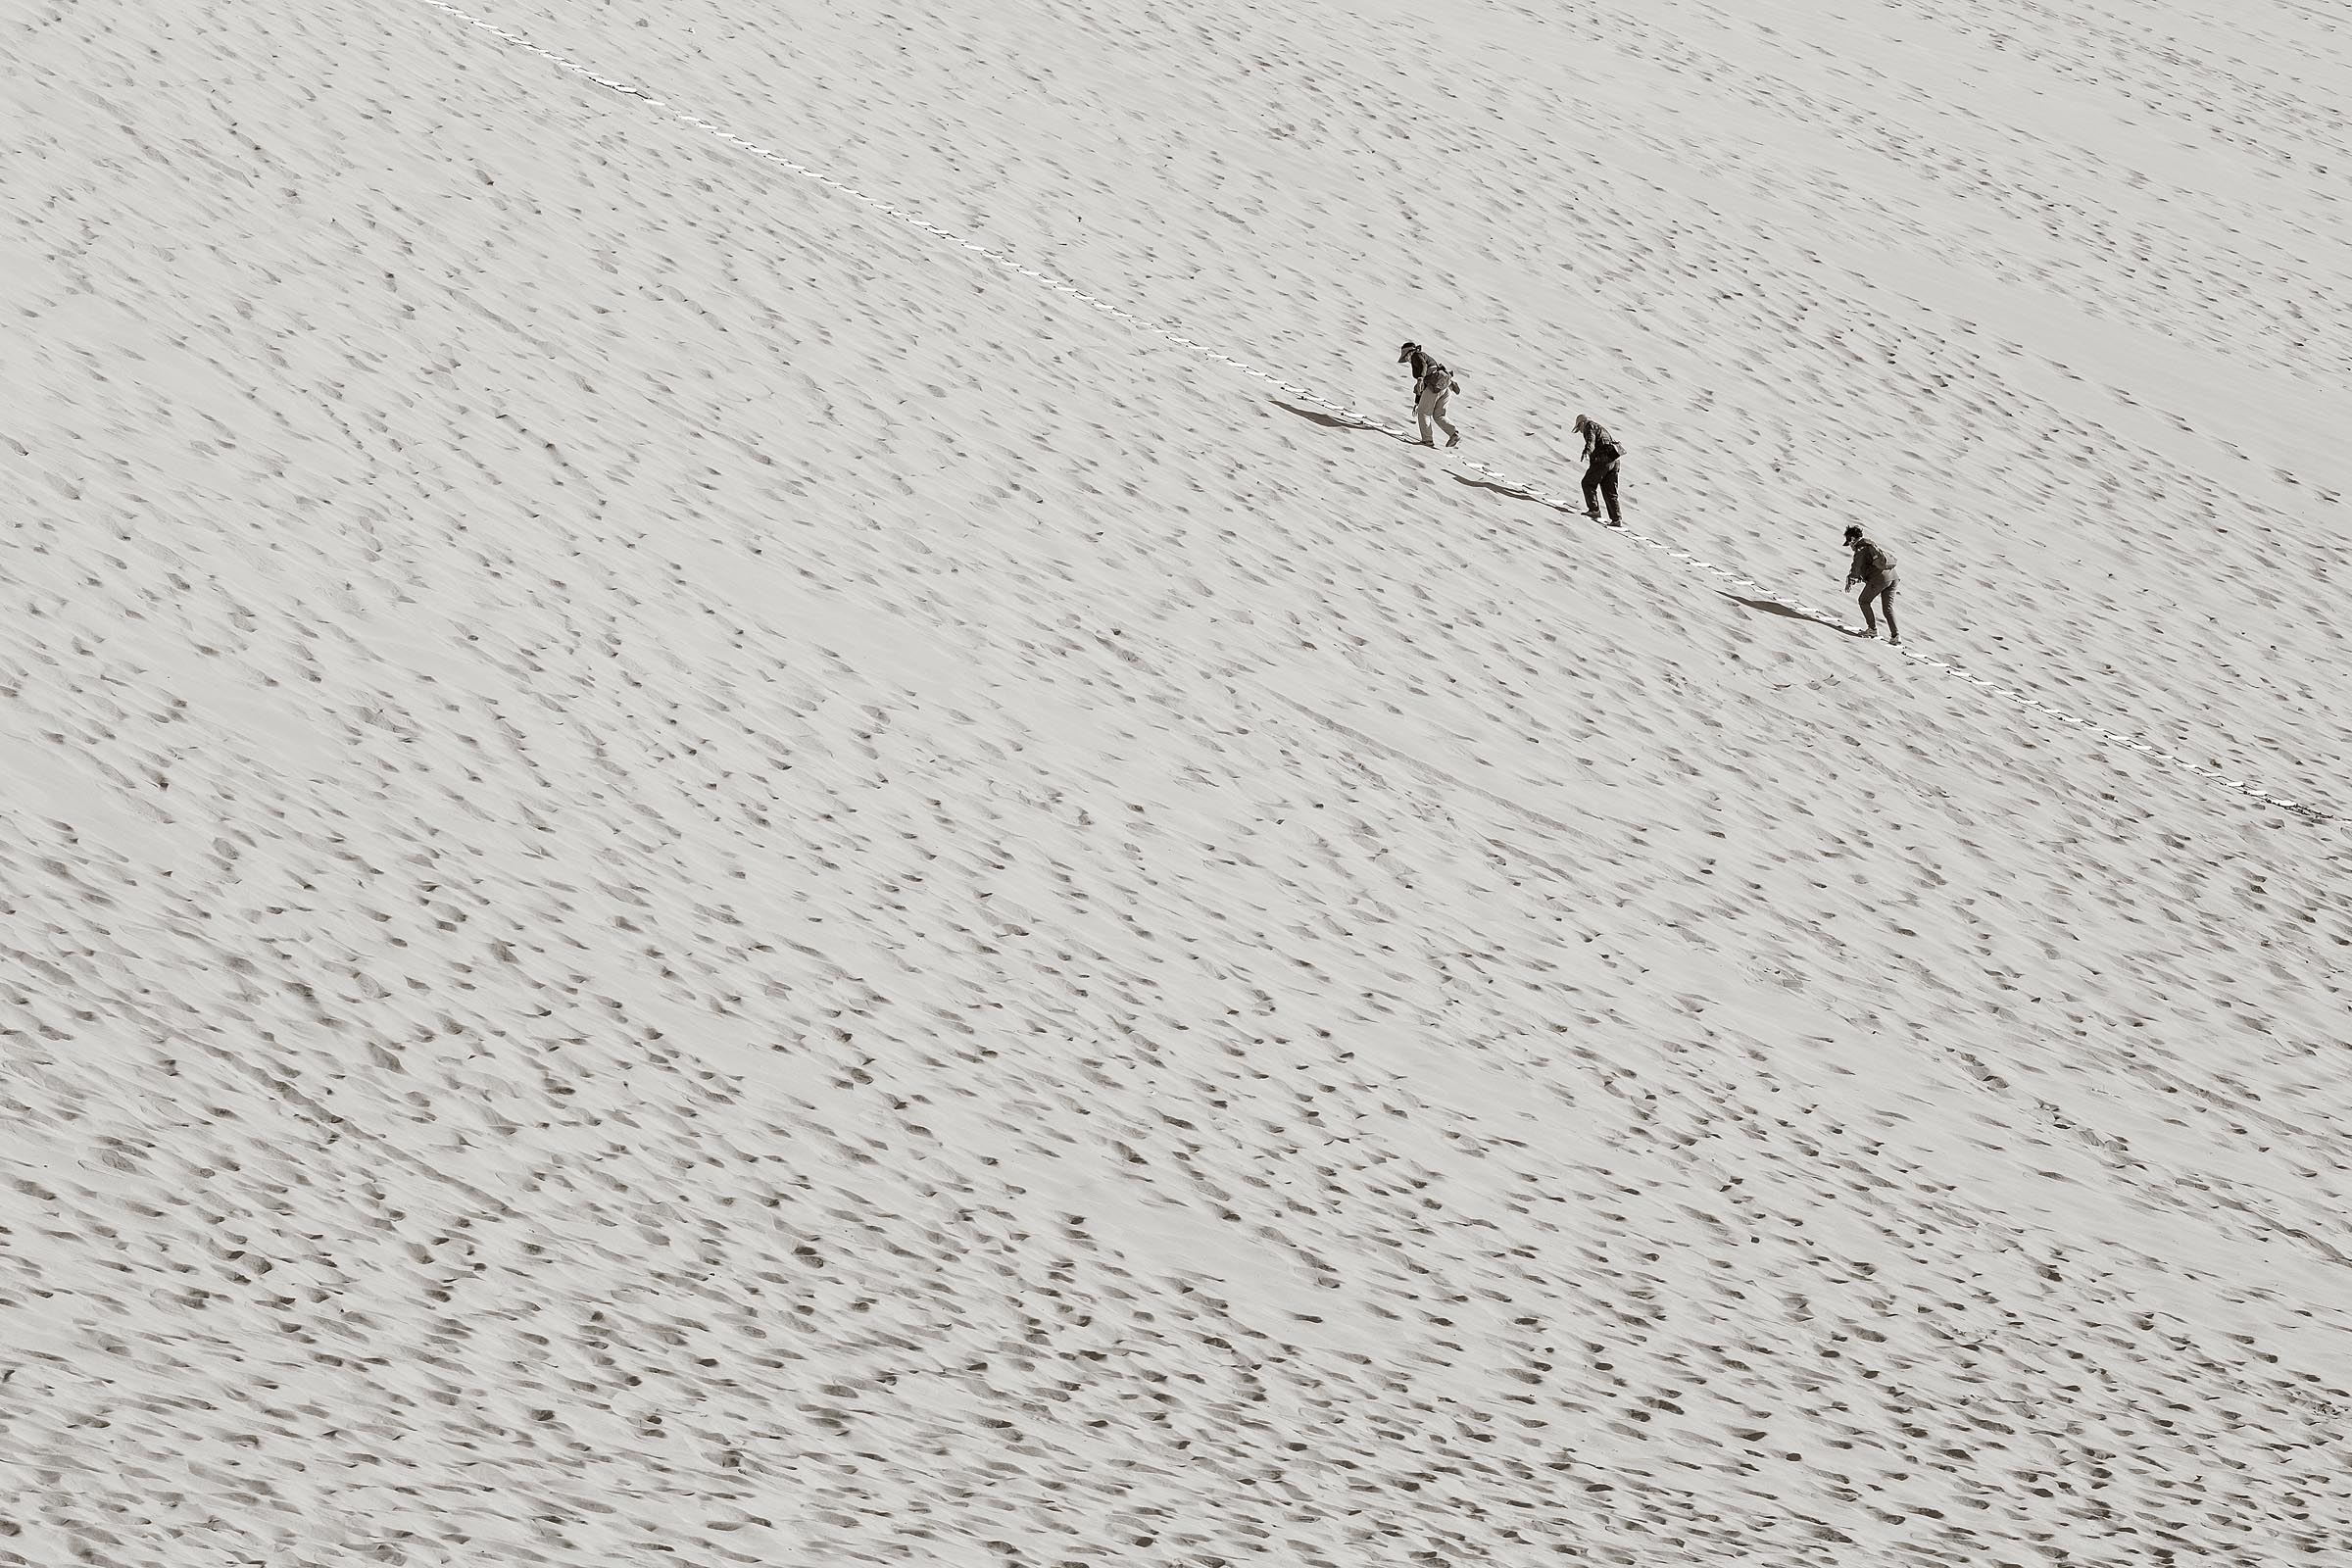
(1873, 568)
(1601, 453)
(1433, 385)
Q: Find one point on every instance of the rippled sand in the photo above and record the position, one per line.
(689, 878)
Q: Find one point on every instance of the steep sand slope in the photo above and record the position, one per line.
(690, 874)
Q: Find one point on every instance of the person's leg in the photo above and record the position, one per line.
(1454, 437)
(1608, 492)
(1870, 619)
(1886, 603)
(1423, 405)
(1593, 491)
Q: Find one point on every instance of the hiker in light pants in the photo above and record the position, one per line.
(1432, 386)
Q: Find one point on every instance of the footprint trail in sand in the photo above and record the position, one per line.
(684, 878)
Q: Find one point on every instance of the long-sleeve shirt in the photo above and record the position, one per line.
(1598, 440)
(1429, 376)
(1869, 562)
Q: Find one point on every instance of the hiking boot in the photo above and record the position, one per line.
(1453, 440)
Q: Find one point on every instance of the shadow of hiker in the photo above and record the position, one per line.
(1773, 607)
(1334, 421)
(1517, 494)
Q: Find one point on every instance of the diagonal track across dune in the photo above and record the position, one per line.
(2207, 773)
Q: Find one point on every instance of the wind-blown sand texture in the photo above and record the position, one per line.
(689, 878)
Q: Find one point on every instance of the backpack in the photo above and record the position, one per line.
(1436, 379)
(1872, 562)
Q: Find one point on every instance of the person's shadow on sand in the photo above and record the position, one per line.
(1773, 607)
(1517, 494)
(1334, 421)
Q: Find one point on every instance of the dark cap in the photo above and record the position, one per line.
(1405, 353)
(1853, 533)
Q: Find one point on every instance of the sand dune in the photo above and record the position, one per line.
(690, 874)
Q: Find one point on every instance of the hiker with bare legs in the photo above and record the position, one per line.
(1433, 385)
(1873, 568)
(1602, 454)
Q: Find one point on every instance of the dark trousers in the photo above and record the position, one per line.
(1600, 484)
(1881, 590)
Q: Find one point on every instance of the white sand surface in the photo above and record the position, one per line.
(690, 877)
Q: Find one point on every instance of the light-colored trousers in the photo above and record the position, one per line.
(1430, 406)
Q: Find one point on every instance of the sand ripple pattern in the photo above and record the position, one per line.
(678, 886)
(2209, 773)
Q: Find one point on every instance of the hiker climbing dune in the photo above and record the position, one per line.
(1601, 456)
(1432, 386)
(1873, 568)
